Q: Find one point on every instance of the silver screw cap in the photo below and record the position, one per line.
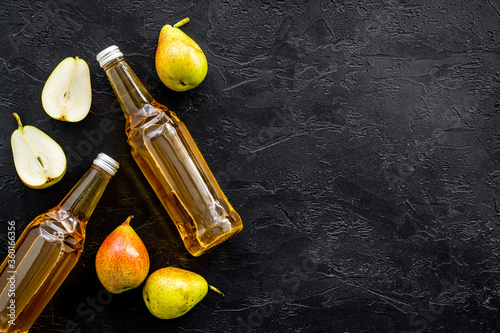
(106, 163)
(108, 54)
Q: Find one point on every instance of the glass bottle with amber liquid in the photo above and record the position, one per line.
(172, 163)
(48, 249)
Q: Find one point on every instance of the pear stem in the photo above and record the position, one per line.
(127, 221)
(18, 120)
(216, 290)
(181, 22)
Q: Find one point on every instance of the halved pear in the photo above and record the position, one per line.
(67, 94)
(39, 160)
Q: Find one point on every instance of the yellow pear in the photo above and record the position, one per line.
(171, 292)
(180, 62)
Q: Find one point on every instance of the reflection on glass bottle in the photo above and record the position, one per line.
(48, 249)
(171, 161)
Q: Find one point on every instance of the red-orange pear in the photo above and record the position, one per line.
(122, 261)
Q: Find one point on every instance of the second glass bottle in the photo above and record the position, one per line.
(171, 161)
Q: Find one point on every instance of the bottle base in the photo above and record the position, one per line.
(196, 248)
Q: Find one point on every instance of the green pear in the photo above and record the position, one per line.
(170, 292)
(39, 160)
(67, 94)
(122, 261)
(180, 62)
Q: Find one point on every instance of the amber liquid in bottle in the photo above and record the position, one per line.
(48, 249)
(172, 163)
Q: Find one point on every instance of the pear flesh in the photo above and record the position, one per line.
(39, 160)
(171, 292)
(122, 261)
(179, 60)
(67, 94)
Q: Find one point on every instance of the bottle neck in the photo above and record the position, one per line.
(128, 89)
(83, 198)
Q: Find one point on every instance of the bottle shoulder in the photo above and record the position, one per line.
(56, 225)
(60, 220)
(150, 119)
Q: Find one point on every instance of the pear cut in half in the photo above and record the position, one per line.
(67, 94)
(40, 162)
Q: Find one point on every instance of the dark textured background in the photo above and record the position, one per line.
(358, 140)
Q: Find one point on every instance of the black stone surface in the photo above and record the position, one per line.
(358, 140)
